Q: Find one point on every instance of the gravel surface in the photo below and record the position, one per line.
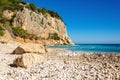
(58, 70)
(89, 67)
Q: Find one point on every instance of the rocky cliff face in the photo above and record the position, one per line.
(41, 25)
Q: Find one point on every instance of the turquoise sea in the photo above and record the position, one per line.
(107, 48)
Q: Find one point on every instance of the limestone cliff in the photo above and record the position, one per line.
(41, 25)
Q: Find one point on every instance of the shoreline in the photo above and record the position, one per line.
(63, 64)
(91, 48)
(90, 52)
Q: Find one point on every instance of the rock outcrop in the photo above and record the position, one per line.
(41, 25)
(29, 48)
(8, 14)
(28, 60)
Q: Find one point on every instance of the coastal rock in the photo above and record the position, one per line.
(29, 48)
(8, 14)
(42, 25)
(28, 59)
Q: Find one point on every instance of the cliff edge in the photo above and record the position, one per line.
(46, 25)
(42, 25)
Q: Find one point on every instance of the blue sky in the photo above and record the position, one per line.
(88, 21)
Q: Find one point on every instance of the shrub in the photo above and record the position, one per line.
(42, 10)
(18, 31)
(10, 4)
(0, 14)
(54, 36)
(16, 1)
(52, 13)
(33, 7)
(31, 36)
(23, 2)
(4, 20)
(13, 7)
(37, 38)
(1, 31)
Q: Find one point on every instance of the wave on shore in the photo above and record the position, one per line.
(100, 48)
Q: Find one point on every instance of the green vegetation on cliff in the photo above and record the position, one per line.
(18, 31)
(10, 4)
(16, 5)
(54, 36)
(52, 13)
(1, 31)
(33, 7)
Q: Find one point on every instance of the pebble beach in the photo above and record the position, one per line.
(62, 65)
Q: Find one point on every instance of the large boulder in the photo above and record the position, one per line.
(29, 48)
(28, 60)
